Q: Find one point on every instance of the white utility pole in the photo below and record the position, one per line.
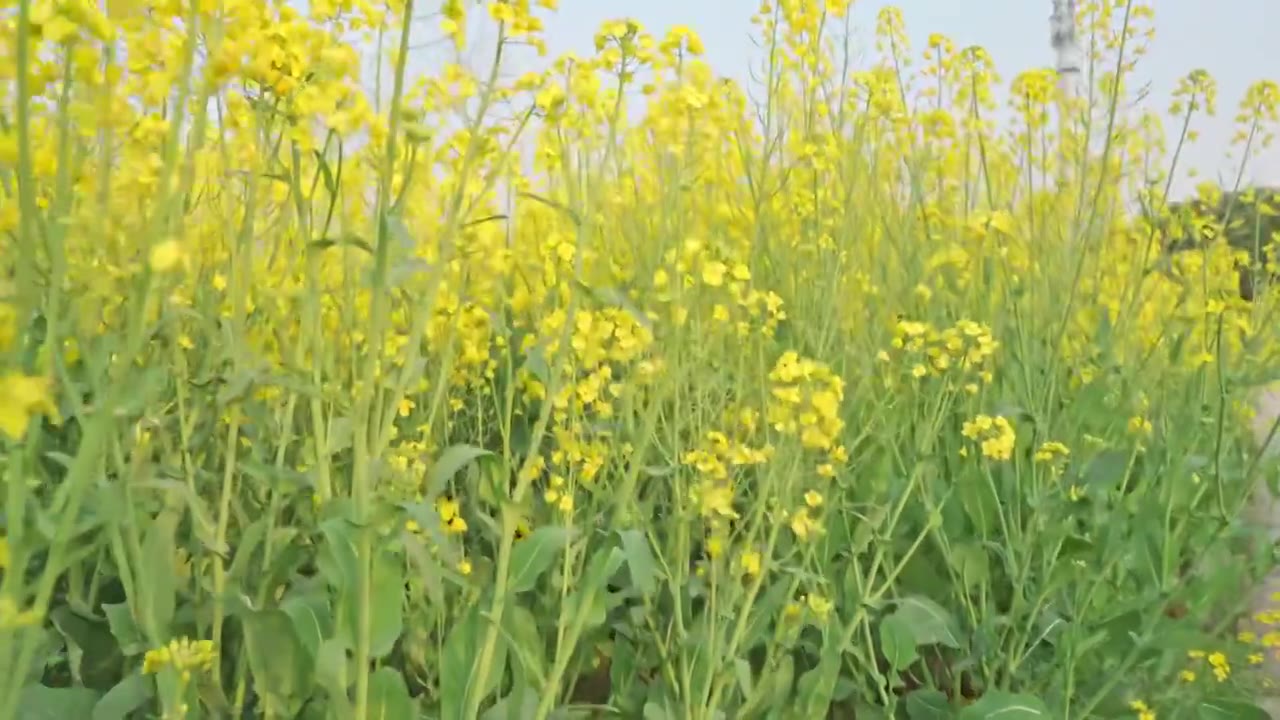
(1066, 46)
(1067, 53)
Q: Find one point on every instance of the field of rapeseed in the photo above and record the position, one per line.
(616, 389)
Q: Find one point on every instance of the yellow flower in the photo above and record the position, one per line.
(450, 518)
(820, 606)
(803, 525)
(713, 273)
(13, 618)
(182, 654)
(1143, 710)
(166, 256)
(21, 398)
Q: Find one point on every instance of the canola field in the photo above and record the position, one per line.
(616, 388)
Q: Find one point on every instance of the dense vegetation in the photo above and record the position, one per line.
(824, 397)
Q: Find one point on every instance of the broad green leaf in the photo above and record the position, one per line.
(898, 642)
(157, 596)
(644, 570)
(818, 686)
(767, 606)
(602, 566)
(92, 651)
(930, 624)
(453, 459)
(527, 644)
(972, 563)
(997, 705)
(532, 556)
(982, 507)
(202, 522)
(386, 615)
(522, 702)
(1230, 710)
(122, 700)
(281, 667)
(782, 675)
(37, 702)
(456, 665)
(927, 704)
(252, 536)
(388, 603)
(337, 559)
(654, 710)
(332, 669)
(742, 673)
(312, 620)
(1106, 471)
(389, 696)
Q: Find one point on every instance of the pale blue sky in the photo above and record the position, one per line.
(1229, 38)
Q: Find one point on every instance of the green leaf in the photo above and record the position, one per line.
(930, 624)
(337, 559)
(281, 667)
(603, 565)
(972, 563)
(37, 702)
(386, 616)
(522, 702)
(898, 642)
(527, 644)
(1105, 472)
(331, 669)
(389, 696)
(388, 604)
(742, 673)
(1230, 710)
(202, 522)
(157, 596)
(456, 664)
(311, 618)
(982, 507)
(782, 676)
(126, 697)
(252, 536)
(453, 459)
(996, 705)
(92, 651)
(654, 710)
(926, 704)
(818, 685)
(644, 570)
(531, 557)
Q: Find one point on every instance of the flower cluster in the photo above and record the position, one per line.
(965, 349)
(995, 436)
(182, 654)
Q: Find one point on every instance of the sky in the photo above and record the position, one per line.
(1226, 37)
